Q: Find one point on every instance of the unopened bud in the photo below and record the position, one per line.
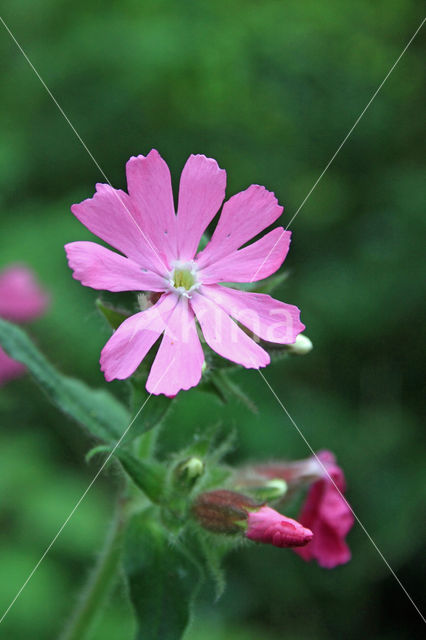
(191, 468)
(223, 511)
(270, 527)
(301, 346)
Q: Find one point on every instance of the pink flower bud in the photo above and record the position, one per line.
(270, 527)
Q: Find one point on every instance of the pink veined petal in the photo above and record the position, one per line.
(111, 216)
(335, 511)
(97, 267)
(266, 317)
(243, 216)
(21, 298)
(224, 336)
(201, 192)
(150, 188)
(9, 369)
(130, 343)
(255, 262)
(178, 363)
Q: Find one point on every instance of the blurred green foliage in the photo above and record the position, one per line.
(269, 89)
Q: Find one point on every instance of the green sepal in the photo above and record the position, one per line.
(154, 409)
(163, 579)
(220, 383)
(148, 476)
(272, 283)
(213, 552)
(97, 410)
(113, 316)
(267, 286)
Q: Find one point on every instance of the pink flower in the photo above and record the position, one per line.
(328, 515)
(21, 300)
(270, 527)
(160, 255)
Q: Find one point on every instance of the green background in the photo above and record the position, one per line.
(269, 89)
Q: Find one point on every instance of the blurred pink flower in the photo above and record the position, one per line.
(328, 515)
(160, 255)
(270, 527)
(21, 300)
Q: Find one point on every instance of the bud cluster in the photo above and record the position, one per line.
(230, 512)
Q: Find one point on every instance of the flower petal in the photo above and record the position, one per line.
(255, 262)
(21, 298)
(243, 216)
(224, 336)
(150, 188)
(111, 216)
(268, 318)
(97, 267)
(178, 363)
(201, 192)
(130, 343)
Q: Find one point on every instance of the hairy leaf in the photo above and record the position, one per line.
(163, 580)
(97, 410)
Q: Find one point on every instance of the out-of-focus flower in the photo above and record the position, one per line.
(329, 516)
(21, 300)
(270, 527)
(229, 512)
(160, 255)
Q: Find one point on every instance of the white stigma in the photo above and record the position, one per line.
(183, 278)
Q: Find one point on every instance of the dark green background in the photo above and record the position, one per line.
(269, 89)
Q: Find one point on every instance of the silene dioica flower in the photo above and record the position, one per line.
(159, 253)
(325, 511)
(21, 300)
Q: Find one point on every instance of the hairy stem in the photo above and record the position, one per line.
(99, 583)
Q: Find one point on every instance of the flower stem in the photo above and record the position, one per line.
(99, 583)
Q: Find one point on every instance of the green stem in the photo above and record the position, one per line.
(99, 583)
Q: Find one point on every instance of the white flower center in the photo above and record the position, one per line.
(183, 277)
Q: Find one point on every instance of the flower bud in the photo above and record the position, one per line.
(230, 512)
(301, 346)
(223, 511)
(270, 527)
(191, 468)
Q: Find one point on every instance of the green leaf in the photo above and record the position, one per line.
(149, 476)
(97, 410)
(163, 580)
